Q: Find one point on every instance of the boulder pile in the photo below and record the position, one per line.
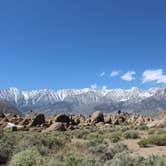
(62, 122)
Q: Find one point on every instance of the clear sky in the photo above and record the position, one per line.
(78, 43)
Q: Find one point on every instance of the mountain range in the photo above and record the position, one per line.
(86, 100)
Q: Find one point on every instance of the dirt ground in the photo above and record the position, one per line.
(144, 152)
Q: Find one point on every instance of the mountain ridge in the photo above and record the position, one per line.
(86, 100)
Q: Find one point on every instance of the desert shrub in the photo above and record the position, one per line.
(112, 151)
(118, 148)
(43, 141)
(156, 131)
(96, 142)
(110, 130)
(131, 134)
(27, 158)
(154, 161)
(124, 159)
(142, 127)
(15, 142)
(80, 134)
(124, 129)
(5, 152)
(120, 159)
(104, 152)
(95, 136)
(98, 150)
(143, 143)
(1, 133)
(115, 137)
(7, 146)
(151, 131)
(73, 159)
(76, 146)
(159, 140)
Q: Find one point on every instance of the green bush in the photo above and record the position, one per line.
(80, 134)
(95, 136)
(124, 129)
(142, 127)
(104, 152)
(124, 159)
(98, 150)
(143, 143)
(111, 152)
(131, 135)
(154, 161)
(115, 137)
(120, 159)
(156, 131)
(7, 146)
(43, 141)
(15, 142)
(151, 131)
(73, 159)
(27, 158)
(6, 151)
(159, 140)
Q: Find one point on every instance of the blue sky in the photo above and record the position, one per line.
(75, 44)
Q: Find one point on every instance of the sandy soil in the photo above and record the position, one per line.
(145, 152)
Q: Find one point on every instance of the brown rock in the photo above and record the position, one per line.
(57, 126)
(5, 120)
(2, 115)
(62, 118)
(77, 119)
(71, 127)
(108, 119)
(3, 125)
(26, 122)
(119, 118)
(38, 120)
(97, 117)
(157, 123)
(20, 128)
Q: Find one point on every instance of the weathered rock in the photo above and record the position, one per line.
(25, 122)
(30, 115)
(35, 129)
(62, 118)
(11, 117)
(108, 119)
(4, 120)
(140, 120)
(119, 118)
(19, 120)
(21, 128)
(3, 125)
(77, 119)
(157, 123)
(100, 124)
(38, 120)
(2, 115)
(97, 117)
(57, 126)
(71, 127)
(13, 120)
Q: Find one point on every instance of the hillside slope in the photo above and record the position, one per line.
(8, 108)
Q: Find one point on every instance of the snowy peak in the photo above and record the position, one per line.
(85, 99)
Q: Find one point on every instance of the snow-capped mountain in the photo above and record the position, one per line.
(87, 100)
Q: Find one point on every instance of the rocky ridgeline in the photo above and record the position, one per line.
(62, 122)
